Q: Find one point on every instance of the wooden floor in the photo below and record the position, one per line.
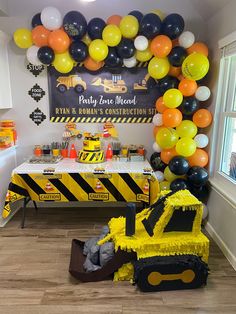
(34, 276)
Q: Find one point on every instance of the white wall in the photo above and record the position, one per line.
(22, 80)
(222, 214)
(3, 8)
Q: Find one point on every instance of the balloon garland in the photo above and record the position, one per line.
(175, 61)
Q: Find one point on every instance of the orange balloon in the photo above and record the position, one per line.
(172, 117)
(157, 129)
(187, 87)
(174, 71)
(161, 46)
(92, 65)
(59, 41)
(175, 42)
(168, 154)
(181, 77)
(199, 158)
(202, 118)
(198, 47)
(114, 20)
(160, 106)
(40, 36)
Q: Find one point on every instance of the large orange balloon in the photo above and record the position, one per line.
(92, 65)
(174, 71)
(114, 20)
(59, 41)
(160, 106)
(40, 36)
(157, 129)
(198, 47)
(187, 87)
(168, 154)
(172, 117)
(199, 158)
(202, 118)
(161, 46)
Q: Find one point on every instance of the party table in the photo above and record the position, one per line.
(69, 180)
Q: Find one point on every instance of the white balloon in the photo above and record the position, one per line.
(186, 39)
(157, 119)
(130, 62)
(205, 211)
(160, 176)
(32, 55)
(51, 18)
(203, 93)
(156, 147)
(141, 43)
(201, 140)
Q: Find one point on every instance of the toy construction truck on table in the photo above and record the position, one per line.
(165, 251)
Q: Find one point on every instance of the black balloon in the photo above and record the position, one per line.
(172, 25)
(200, 193)
(156, 162)
(75, 24)
(179, 184)
(166, 83)
(126, 48)
(197, 176)
(36, 20)
(177, 55)
(95, 28)
(137, 14)
(150, 25)
(179, 165)
(112, 59)
(189, 105)
(46, 55)
(78, 51)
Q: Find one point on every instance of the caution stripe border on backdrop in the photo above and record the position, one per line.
(101, 120)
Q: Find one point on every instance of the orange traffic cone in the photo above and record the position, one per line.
(73, 153)
(109, 152)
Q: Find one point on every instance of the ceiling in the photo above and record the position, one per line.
(205, 8)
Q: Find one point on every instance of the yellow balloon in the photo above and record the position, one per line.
(158, 67)
(186, 129)
(111, 35)
(164, 185)
(186, 147)
(63, 62)
(129, 26)
(159, 13)
(86, 39)
(170, 176)
(144, 55)
(23, 38)
(98, 50)
(172, 98)
(167, 138)
(195, 66)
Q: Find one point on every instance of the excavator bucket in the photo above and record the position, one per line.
(96, 81)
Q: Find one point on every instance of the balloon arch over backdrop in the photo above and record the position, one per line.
(175, 61)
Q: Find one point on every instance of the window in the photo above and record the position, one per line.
(225, 121)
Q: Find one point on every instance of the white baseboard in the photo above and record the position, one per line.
(224, 248)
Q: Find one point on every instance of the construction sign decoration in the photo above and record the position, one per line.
(37, 116)
(35, 69)
(123, 96)
(36, 92)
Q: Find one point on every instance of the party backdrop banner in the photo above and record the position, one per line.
(122, 96)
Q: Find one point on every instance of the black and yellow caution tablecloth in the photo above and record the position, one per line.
(71, 181)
